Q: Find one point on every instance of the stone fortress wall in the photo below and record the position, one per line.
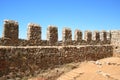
(115, 42)
(19, 55)
(10, 36)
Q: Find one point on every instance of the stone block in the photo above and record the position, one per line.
(78, 35)
(67, 36)
(103, 35)
(34, 32)
(52, 35)
(88, 36)
(11, 30)
(96, 36)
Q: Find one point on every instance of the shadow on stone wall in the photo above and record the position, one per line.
(23, 61)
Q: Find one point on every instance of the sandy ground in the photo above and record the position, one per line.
(104, 69)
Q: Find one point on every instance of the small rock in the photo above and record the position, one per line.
(98, 63)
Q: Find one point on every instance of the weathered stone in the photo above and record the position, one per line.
(96, 35)
(24, 57)
(67, 36)
(115, 41)
(52, 35)
(11, 31)
(33, 58)
(103, 35)
(78, 35)
(88, 36)
(34, 32)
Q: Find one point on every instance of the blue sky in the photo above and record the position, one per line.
(75, 14)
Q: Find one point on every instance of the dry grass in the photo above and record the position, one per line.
(53, 74)
(108, 68)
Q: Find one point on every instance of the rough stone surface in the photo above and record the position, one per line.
(109, 35)
(20, 57)
(96, 35)
(10, 32)
(88, 36)
(103, 35)
(34, 36)
(78, 35)
(52, 35)
(67, 36)
(34, 32)
(115, 41)
(115, 37)
(27, 60)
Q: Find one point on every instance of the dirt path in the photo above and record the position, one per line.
(104, 69)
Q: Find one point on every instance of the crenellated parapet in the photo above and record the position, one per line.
(34, 32)
(78, 35)
(88, 36)
(11, 36)
(26, 57)
(52, 35)
(11, 29)
(67, 36)
(103, 35)
(96, 36)
(10, 32)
